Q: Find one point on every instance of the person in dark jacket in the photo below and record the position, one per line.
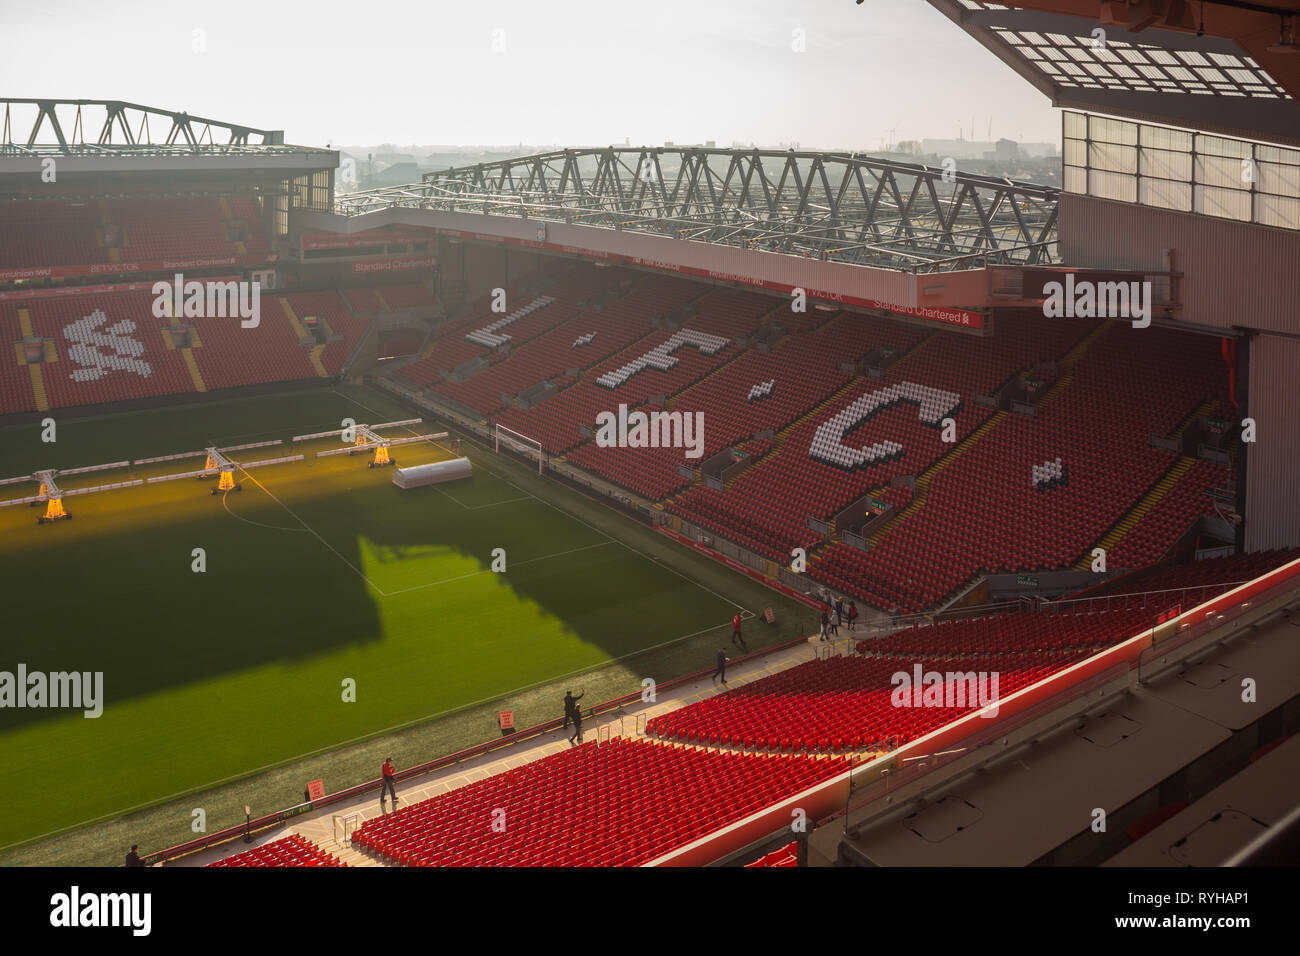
(826, 624)
(133, 856)
(722, 666)
(577, 725)
(570, 705)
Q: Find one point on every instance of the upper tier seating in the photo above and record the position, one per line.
(983, 513)
(49, 234)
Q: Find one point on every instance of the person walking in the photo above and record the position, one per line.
(736, 637)
(570, 705)
(722, 666)
(826, 623)
(853, 614)
(389, 785)
(577, 725)
(839, 610)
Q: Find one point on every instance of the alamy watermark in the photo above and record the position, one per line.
(208, 299)
(76, 690)
(922, 688)
(1098, 300)
(623, 429)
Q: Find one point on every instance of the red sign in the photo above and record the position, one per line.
(769, 616)
(506, 719)
(97, 289)
(116, 268)
(316, 790)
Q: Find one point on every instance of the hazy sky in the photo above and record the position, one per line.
(580, 72)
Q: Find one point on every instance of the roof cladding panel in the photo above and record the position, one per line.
(1156, 75)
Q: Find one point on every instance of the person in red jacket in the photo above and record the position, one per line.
(389, 785)
(735, 632)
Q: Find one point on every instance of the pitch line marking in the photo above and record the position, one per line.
(377, 733)
(474, 574)
(256, 524)
(314, 532)
(580, 521)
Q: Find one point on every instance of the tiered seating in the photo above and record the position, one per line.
(625, 321)
(1157, 531)
(983, 514)
(330, 307)
(293, 850)
(841, 704)
(232, 355)
(621, 804)
(49, 234)
(15, 381)
(110, 349)
(173, 228)
(770, 504)
(1209, 577)
(1066, 631)
(449, 347)
(256, 245)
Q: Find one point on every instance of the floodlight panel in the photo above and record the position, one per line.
(255, 444)
(82, 471)
(184, 454)
(116, 484)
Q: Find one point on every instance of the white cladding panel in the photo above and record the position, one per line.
(434, 473)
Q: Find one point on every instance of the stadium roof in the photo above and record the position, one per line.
(1219, 66)
(113, 135)
(832, 207)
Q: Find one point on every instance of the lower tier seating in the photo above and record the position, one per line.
(623, 803)
(293, 850)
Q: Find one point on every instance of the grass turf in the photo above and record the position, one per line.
(317, 572)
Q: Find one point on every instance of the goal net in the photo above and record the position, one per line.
(520, 443)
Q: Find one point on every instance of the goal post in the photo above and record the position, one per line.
(519, 442)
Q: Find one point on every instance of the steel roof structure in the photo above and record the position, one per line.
(114, 136)
(833, 207)
(1220, 65)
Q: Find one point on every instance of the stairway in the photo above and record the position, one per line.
(1136, 513)
(923, 480)
(35, 370)
(347, 853)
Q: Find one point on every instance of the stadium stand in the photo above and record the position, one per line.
(36, 234)
(619, 804)
(293, 850)
(840, 704)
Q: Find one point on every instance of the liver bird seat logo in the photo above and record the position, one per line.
(101, 352)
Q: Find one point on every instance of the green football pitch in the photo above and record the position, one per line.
(320, 576)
